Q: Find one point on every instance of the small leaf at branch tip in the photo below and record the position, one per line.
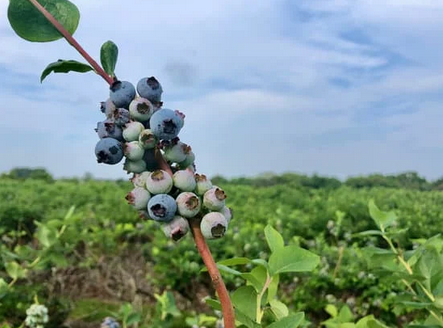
(65, 66)
(108, 57)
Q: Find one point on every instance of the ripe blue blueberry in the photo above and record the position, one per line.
(176, 229)
(120, 116)
(107, 107)
(162, 208)
(150, 89)
(122, 93)
(166, 124)
(188, 204)
(213, 225)
(109, 322)
(108, 129)
(109, 151)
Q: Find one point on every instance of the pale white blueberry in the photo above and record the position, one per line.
(184, 180)
(159, 182)
(188, 204)
(138, 198)
(214, 199)
(132, 130)
(141, 109)
(176, 229)
(203, 184)
(213, 225)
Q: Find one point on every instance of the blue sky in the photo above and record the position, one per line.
(333, 87)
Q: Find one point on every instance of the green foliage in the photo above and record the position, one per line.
(31, 25)
(108, 57)
(255, 303)
(65, 66)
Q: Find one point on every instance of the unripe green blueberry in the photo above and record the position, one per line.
(177, 153)
(190, 158)
(188, 204)
(134, 166)
(132, 131)
(133, 151)
(213, 225)
(159, 182)
(184, 180)
(227, 213)
(177, 228)
(139, 179)
(138, 198)
(214, 199)
(141, 109)
(203, 184)
(147, 139)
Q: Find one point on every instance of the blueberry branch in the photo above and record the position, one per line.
(217, 281)
(98, 69)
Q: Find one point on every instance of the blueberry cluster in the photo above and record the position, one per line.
(136, 127)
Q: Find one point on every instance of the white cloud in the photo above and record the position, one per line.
(253, 80)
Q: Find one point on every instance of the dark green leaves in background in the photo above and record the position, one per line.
(65, 66)
(31, 25)
(108, 57)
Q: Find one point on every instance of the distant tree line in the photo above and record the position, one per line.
(406, 180)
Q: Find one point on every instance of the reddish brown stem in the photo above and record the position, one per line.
(73, 42)
(162, 162)
(214, 273)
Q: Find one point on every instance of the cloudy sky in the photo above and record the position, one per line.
(335, 87)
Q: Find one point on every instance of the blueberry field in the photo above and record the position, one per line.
(77, 247)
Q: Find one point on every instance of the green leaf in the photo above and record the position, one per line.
(245, 300)
(133, 318)
(331, 310)
(31, 25)
(215, 304)
(292, 259)
(245, 320)
(256, 278)
(273, 287)
(108, 57)
(65, 66)
(235, 261)
(279, 309)
(345, 314)
(274, 239)
(3, 287)
(14, 270)
(376, 324)
(382, 219)
(47, 237)
(226, 269)
(292, 321)
(368, 233)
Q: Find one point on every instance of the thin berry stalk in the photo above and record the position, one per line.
(98, 69)
(214, 273)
